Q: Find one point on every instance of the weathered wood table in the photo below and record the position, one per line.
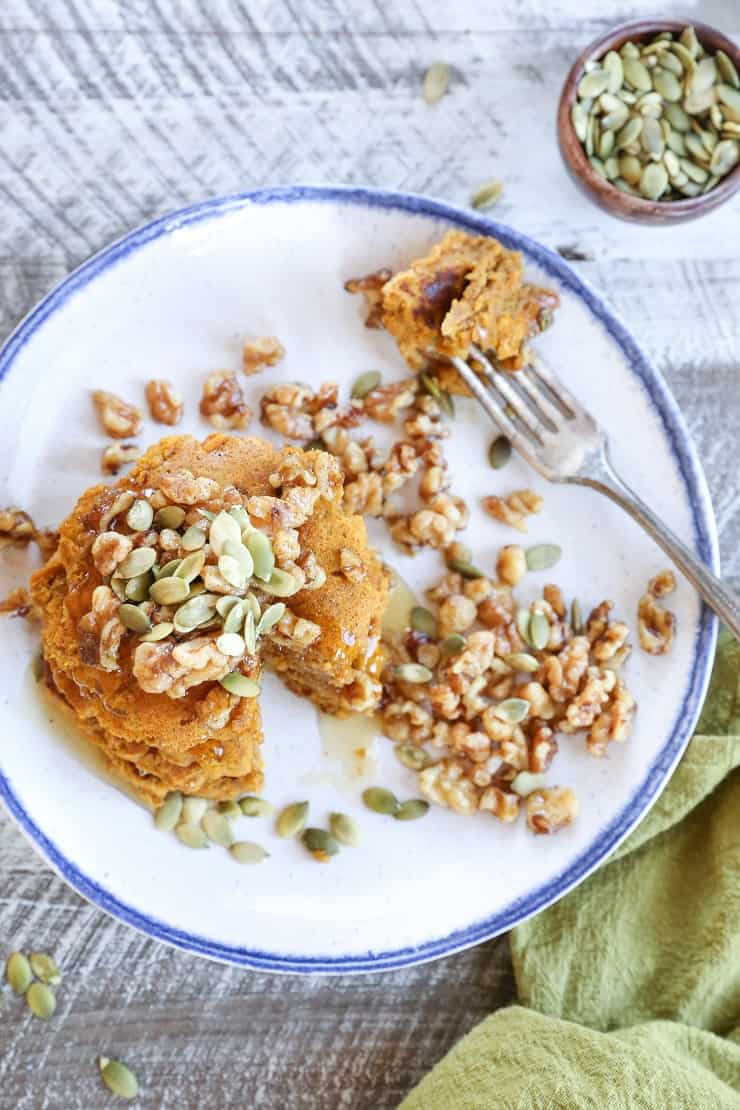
(113, 112)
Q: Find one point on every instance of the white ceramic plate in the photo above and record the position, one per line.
(176, 299)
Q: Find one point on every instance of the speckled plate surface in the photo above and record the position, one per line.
(176, 299)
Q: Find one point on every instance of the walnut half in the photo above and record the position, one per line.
(119, 419)
(223, 403)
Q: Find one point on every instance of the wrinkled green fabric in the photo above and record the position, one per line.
(629, 986)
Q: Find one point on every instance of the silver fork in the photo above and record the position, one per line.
(560, 439)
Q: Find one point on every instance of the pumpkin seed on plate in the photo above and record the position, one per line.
(576, 619)
(241, 516)
(512, 710)
(167, 816)
(412, 672)
(234, 619)
(250, 633)
(119, 1079)
(260, 549)
(240, 685)
(193, 539)
(190, 567)
(380, 800)
(166, 570)
(158, 632)
(192, 836)
(171, 516)
(466, 569)
(231, 643)
(137, 589)
(133, 618)
(542, 556)
(252, 806)
(421, 620)
(140, 516)
(292, 819)
(118, 585)
(223, 527)
(169, 591)
(522, 661)
(18, 972)
(230, 809)
(499, 452)
(280, 584)
(344, 829)
(365, 384)
(413, 757)
(320, 843)
(246, 851)
(240, 552)
(41, 1000)
(270, 617)
(436, 82)
(523, 617)
(137, 562)
(193, 809)
(217, 828)
(430, 386)
(412, 810)
(486, 195)
(225, 604)
(198, 610)
(539, 630)
(45, 968)
(452, 644)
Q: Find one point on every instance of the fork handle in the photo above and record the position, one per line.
(722, 600)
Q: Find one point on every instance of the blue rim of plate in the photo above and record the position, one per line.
(705, 544)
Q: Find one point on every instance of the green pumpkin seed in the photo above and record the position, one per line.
(486, 195)
(224, 605)
(636, 74)
(192, 836)
(167, 569)
(365, 384)
(223, 528)
(169, 591)
(45, 968)
(280, 584)
(689, 41)
(539, 631)
(119, 1079)
(594, 83)
(667, 84)
(526, 783)
(421, 620)
(697, 102)
(654, 181)
(630, 132)
(615, 119)
(412, 672)
(521, 661)
(190, 567)
(499, 452)
(676, 143)
(137, 589)
(239, 552)
(630, 168)
(18, 973)
(579, 119)
(436, 82)
(651, 138)
(703, 77)
(614, 70)
(467, 570)
(629, 50)
(241, 516)
(416, 759)
(522, 624)
(140, 516)
(412, 810)
(270, 618)
(231, 643)
(159, 632)
(447, 404)
(193, 539)
(576, 617)
(292, 819)
(727, 69)
(696, 148)
(167, 816)
(344, 829)
(171, 516)
(217, 828)
(246, 851)
(542, 556)
(133, 618)
(252, 806)
(260, 549)
(240, 685)
(512, 710)
(118, 585)
(137, 562)
(672, 164)
(695, 173)
(234, 620)
(725, 157)
(452, 644)
(250, 633)
(41, 1001)
(320, 843)
(231, 572)
(606, 145)
(380, 800)
(193, 809)
(229, 809)
(670, 61)
(430, 386)
(198, 610)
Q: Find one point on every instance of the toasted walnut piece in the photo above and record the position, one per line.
(445, 784)
(553, 595)
(589, 701)
(181, 487)
(401, 465)
(165, 402)
(111, 635)
(371, 286)
(297, 629)
(223, 403)
(119, 419)
(109, 549)
(429, 528)
(511, 565)
(117, 455)
(477, 589)
(551, 809)
(598, 620)
(614, 723)
(450, 583)
(425, 422)
(662, 584)
(500, 804)
(656, 626)
(514, 509)
(314, 575)
(282, 409)
(542, 746)
(16, 527)
(172, 669)
(362, 694)
(258, 353)
(385, 402)
(563, 672)
(286, 545)
(404, 720)
(351, 565)
(456, 614)
(538, 698)
(611, 642)
(434, 480)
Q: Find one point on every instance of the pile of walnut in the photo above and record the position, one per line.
(475, 708)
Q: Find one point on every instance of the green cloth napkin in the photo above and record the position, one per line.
(630, 985)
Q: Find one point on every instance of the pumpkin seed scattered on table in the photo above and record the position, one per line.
(466, 569)
(412, 756)
(542, 556)
(499, 452)
(365, 384)
(539, 631)
(421, 620)
(45, 968)
(344, 829)
(193, 809)
(246, 851)
(380, 800)
(252, 806)
(292, 819)
(119, 1079)
(217, 828)
(411, 810)
(240, 685)
(41, 1000)
(486, 195)
(452, 644)
(436, 82)
(320, 843)
(18, 973)
(192, 836)
(658, 118)
(512, 710)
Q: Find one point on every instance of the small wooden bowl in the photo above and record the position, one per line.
(606, 195)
